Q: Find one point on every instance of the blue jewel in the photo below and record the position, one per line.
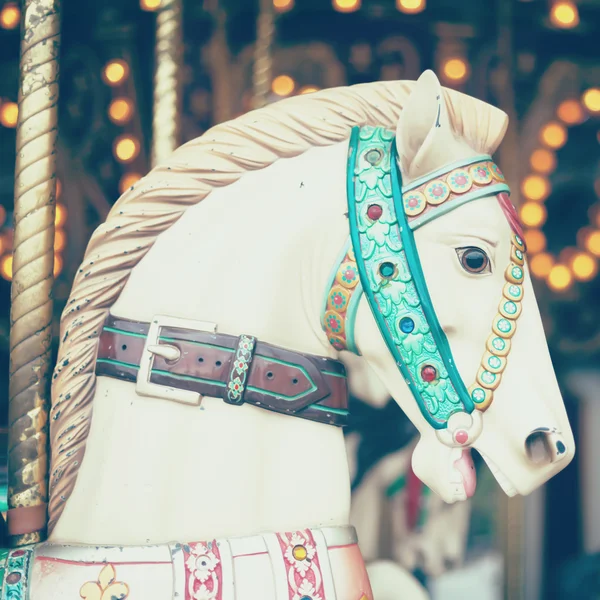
(407, 325)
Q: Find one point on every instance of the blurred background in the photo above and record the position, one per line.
(538, 60)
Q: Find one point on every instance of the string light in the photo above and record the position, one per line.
(6, 266)
(541, 265)
(455, 69)
(591, 99)
(592, 243)
(346, 6)
(115, 72)
(283, 5)
(58, 264)
(560, 278)
(309, 89)
(126, 148)
(564, 14)
(570, 112)
(9, 114)
(533, 214)
(410, 7)
(543, 161)
(584, 266)
(120, 110)
(60, 240)
(283, 85)
(60, 215)
(128, 180)
(535, 187)
(535, 240)
(150, 5)
(554, 135)
(10, 16)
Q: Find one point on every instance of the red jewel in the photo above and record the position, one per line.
(438, 191)
(461, 179)
(374, 212)
(413, 202)
(482, 173)
(428, 373)
(461, 436)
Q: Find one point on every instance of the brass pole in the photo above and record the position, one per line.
(166, 122)
(33, 263)
(263, 53)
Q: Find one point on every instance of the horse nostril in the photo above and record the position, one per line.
(539, 449)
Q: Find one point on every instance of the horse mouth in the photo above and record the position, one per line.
(466, 469)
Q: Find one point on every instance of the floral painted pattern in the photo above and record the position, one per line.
(203, 571)
(305, 580)
(460, 181)
(106, 587)
(437, 192)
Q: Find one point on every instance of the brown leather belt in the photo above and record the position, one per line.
(172, 359)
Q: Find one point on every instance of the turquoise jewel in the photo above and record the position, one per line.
(488, 377)
(519, 254)
(494, 362)
(499, 344)
(510, 307)
(407, 325)
(517, 272)
(519, 240)
(504, 325)
(387, 270)
(514, 291)
(478, 395)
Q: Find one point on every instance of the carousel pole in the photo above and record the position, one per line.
(166, 122)
(263, 53)
(33, 278)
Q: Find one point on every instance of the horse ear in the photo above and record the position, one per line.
(424, 135)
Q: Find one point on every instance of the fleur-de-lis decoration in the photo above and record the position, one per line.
(106, 588)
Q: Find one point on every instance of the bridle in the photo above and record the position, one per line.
(381, 261)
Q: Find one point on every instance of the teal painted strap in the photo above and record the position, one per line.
(16, 574)
(392, 279)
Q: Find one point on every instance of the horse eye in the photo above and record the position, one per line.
(474, 260)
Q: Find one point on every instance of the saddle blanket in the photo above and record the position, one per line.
(310, 564)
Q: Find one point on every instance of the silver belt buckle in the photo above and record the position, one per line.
(152, 348)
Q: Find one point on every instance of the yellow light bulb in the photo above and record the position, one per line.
(120, 110)
(410, 7)
(456, 69)
(283, 85)
(10, 16)
(564, 14)
(115, 72)
(591, 99)
(6, 266)
(535, 187)
(9, 114)
(126, 148)
(543, 161)
(533, 214)
(346, 5)
(541, 265)
(128, 180)
(535, 241)
(560, 278)
(584, 266)
(554, 135)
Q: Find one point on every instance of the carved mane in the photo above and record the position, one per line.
(218, 158)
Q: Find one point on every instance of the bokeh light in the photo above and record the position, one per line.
(592, 243)
(283, 85)
(115, 72)
(564, 14)
(6, 266)
(60, 215)
(543, 161)
(554, 135)
(560, 277)
(58, 264)
(308, 89)
(455, 69)
(9, 114)
(535, 240)
(126, 148)
(150, 5)
(120, 110)
(535, 187)
(346, 5)
(541, 265)
(127, 181)
(60, 240)
(570, 112)
(584, 266)
(533, 214)
(410, 6)
(283, 5)
(10, 16)
(591, 99)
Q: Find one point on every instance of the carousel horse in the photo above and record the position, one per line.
(200, 393)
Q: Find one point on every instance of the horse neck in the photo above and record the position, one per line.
(254, 257)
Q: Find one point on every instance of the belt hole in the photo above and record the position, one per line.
(218, 363)
(294, 381)
(124, 347)
(200, 359)
(270, 375)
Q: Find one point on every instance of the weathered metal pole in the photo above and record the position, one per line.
(263, 53)
(33, 264)
(166, 122)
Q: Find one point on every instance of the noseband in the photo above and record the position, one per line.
(381, 260)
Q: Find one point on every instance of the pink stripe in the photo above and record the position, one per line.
(94, 564)
(510, 212)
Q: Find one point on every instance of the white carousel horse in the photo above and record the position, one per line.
(189, 319)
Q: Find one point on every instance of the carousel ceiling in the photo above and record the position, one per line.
(536, 59)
